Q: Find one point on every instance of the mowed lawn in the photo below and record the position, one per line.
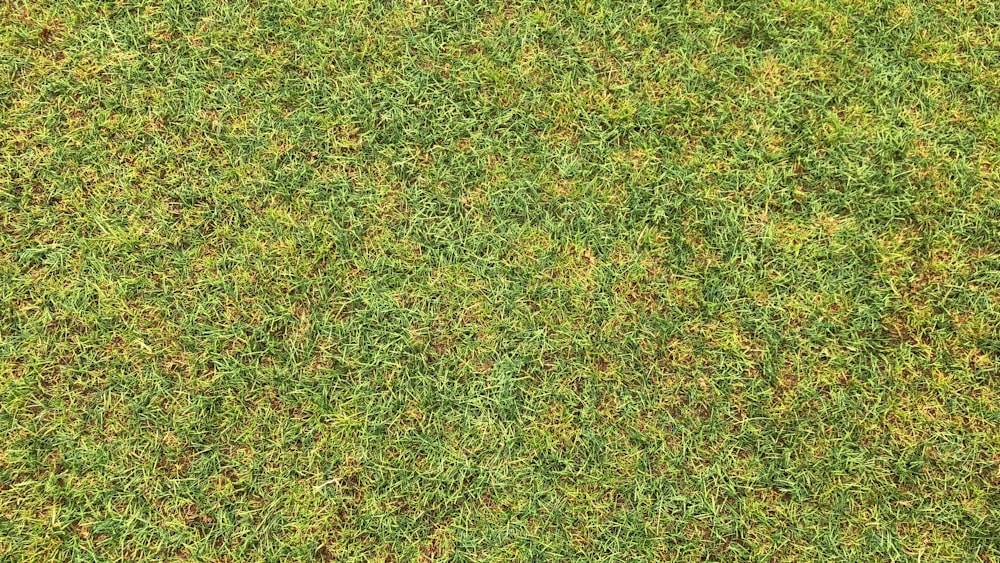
(321, 280)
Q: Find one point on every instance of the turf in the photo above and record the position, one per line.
(419, 280)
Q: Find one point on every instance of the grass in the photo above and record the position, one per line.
(419, 280)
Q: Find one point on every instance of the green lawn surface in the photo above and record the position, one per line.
(325, 280)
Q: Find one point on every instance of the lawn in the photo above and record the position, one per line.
(525, 281)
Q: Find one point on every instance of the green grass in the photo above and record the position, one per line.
(607, 281)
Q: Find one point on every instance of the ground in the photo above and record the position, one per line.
(420, 280)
